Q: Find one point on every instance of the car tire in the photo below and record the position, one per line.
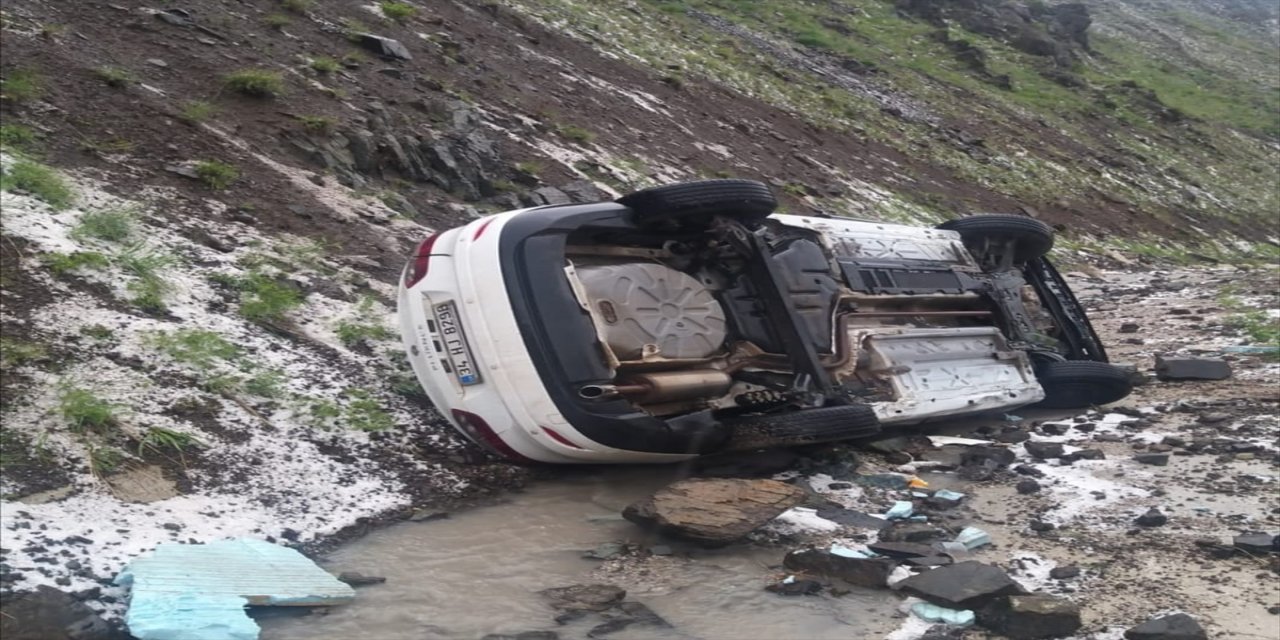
(1078, 384)
(696, 203)
(1031, 238)
(806, 426)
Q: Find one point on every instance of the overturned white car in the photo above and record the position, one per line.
(687, 319)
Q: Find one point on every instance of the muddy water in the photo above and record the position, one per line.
(478, 572)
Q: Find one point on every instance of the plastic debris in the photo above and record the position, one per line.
(973, 537)
(1009, 417)
(917, 483)
(846, 552)
(919, 494)
(885, 480)
(939, 441)
(789, 580)
(930, 612)
(947, 494)
(919, 518)
(900, 510)
(1252, 348)
(956, 550)
(899, 573)
(200, 591)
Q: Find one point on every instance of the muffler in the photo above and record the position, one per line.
(674, 386)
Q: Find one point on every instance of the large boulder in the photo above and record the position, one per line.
(864, 572)
(714, 511)
(966, 585)
(1031, 617)
(1178, 626)
(1192, 368)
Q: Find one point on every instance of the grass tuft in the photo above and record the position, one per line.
(16, 137)
(216, 174)
(277, 20)
(257, 83)
(317, 124)
(196, 111)
(114, 76)
(16, 353)
(324, 64)
(199, 348)
(64, 263)
(575, 133)
(38, 180)
(267, 301)
(83, 410)
(296, 6)
(398, 11)
(112, 225)
(365, 326)
(21, 85)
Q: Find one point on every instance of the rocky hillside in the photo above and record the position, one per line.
(206, 204)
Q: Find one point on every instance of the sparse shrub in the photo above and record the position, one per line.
(296, 6)
(199, 348)
(157, 439)
(16, 136)
(104, 460)
(112, 225)
(15, 353)
(216, 174)
(324, 64)
(63, 263)
(353, 29)
(98, 332)
(353, 59)
(38, 180)
(266, 301)
(398, 11)
(150, 286)
(576, 133)
(318, 124)
(258, 83)
(83, 410)
(21, 85)
(277, 20)
(365, 326)
(109, 145)
(365, 413)
(265, 384)
(114, 76)
(197, 111)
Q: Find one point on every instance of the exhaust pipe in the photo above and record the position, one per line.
(666, 386)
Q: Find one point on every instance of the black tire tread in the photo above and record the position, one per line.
(744, 199)
(1077, 384)
(806, 426)
(1036, 237)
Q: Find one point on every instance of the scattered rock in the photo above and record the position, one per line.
(1065, 572)
(1028, 470)
(852, 518)
(523, 635)
(977, 454)
(795, 588)
(912, 532)
(357, 579)
(1192, 368)
(1083, 454)
(584, 597)
(1213, 417)
(1130, 327)
(1157, 459)
(1178, 626)
(606, 551)
(714, 511)
(1044, 450)
(1028, 486)
(1152, 518)
(864, 572)
(966, 585)
(1257, 543)
(385, 47)
(1031, 617)
(902, 549)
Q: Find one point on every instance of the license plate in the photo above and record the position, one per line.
(455, 344)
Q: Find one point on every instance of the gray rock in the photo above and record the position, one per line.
(902, 549)
(1130, 327)
(584, 597)
(550, 195)
(1064, 573)
(1213, 417)
(385, 47)
(912, 532)
(1152, 518)
(966, 585)
(583, 191)
(852, 518)
(795, 588)
(977, 454)
(864, 572)
(1178, 626)
(1257, 543)
(357, 579)
(1031, 617)
(1028, 486)
(1157, 459)
(523, 635)
(1173, 368)
(1083, 454)
(1044, 450)
(50, 614)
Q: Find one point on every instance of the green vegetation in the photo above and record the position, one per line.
(353, 29)
(575, 133)
(265, 384)
(17, 353)
(257, 83)
(38, 180)
(21, 85)
(1260, 327)
(159, 439)
(367, 325)
(398, 11)
(84, 410)
(196, 111)
(64, 263)
(364, 413)
(216, 174)
(111, 225)
(296, 6)
(98, 332)
(324, 64)
(199, 348)
(103, 459)
(265, 300)
(16, 137)
(114, 76)
(317, 124)
(149, 286)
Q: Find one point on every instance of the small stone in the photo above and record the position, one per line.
(1152, 518)
(1213, 417)
(606, 551)
(1041, 526)
(1064, 573)
(1157, 459)
(157, 62)
(1178, 626)
(1044, 450)
(1130, 327)
(1257, 543)
(1028, 470)
(1084, 454)
(795, 588)
(865, 572)
(1028, 486)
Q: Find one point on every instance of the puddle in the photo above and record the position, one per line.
(478, 572)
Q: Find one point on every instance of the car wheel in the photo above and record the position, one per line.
(696, 203)
(1077, 384)
(806, 426)
(987, 235)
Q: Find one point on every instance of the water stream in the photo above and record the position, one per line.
(479, 571)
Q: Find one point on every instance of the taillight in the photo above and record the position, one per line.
(559, 438)
(485, 436)
(421, 262)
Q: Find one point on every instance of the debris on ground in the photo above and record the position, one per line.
(199, 592)
(1178, 626)
(714, 511)
(1030, 617)
(1172, 368)
(965, 585)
